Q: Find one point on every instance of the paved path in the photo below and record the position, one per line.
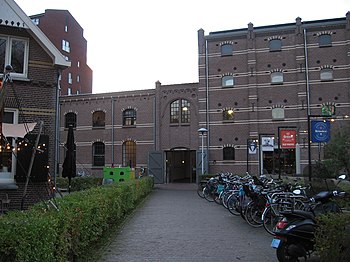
(174, 224)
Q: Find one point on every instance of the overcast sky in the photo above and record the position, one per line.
(134, 43)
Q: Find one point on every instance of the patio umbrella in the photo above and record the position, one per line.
(69, 164)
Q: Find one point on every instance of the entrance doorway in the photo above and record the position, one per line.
(180, 165)
(279, 162)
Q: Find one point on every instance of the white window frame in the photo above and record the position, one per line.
(70, 78)
(326, 74)
(8, 55)
(277, 77)
(227, 81)
(65, 46)
(5, 176)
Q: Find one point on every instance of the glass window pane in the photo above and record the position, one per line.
(226, 50)
(71, 119)
(275, 45)
(227, 81)
(277, 77)
(2, 54)
(229, 153)
(327, 74)
(129, 117)
(325, 40)
(98, 119)
(17, 56)
(228, 114)
(175, 112)
(129, 153)
(98, 151)
(185, 111)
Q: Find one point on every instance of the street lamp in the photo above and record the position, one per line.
(202, 131)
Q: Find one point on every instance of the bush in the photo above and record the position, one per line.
(333, 237)
(83, 218)
(79, 183)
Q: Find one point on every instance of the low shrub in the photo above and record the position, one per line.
(333, 237)
(83, 218)
(78, 183)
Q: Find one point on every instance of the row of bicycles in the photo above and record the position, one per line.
(258, 200)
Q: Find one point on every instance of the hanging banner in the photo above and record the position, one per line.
(320, 131)
(288, 138)
(267, 143)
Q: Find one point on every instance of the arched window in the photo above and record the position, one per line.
(228, 114)
(129, 117)
(325, 40)
(70, 119)
(276, 78)
(129, 153)
(326, 74)
(275, 45)
(228, 153)
(227, 81)
(98, 119)
(180, 111)
(98, 154)
(226, 49)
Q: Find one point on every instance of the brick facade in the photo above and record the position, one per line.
(34, 96)
(259, 106)
(60, 25)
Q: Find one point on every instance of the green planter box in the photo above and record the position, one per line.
(117, 174)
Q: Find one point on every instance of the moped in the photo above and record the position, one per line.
(295, 232)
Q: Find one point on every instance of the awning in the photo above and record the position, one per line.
(17, 130)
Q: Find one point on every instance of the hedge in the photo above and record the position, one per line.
(39, 234)
(333, 237)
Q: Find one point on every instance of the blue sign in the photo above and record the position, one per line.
(320, 131)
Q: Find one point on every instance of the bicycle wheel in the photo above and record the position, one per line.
(200, 191)
(270, 218)
(218, 198)
(253, 214)
(207, 194)
(232, 204)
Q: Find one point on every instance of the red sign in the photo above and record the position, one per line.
(288, 138)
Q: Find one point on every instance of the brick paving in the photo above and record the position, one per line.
(174, 224)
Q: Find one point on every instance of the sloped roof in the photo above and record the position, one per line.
(12, 15)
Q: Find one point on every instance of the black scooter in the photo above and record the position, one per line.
(295, 232)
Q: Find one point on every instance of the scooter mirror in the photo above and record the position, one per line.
(297, 191)
(342, 177)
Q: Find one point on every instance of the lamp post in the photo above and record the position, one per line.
(202, 131)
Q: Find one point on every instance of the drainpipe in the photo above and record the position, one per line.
(112, 107)
(207, 102)
(308, 104)
(57, 131)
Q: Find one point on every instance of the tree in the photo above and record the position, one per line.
(337, 151)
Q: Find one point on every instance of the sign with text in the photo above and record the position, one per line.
(288, 138)
(320, 131)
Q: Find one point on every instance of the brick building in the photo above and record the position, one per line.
(256, 85)
(68, 37)
(31, 97)
(265, 84)
(120, 129)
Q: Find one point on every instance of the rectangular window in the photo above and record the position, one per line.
(65, 46)
(70, 80)
(78, 78)
(14, 52)
(7, 158)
